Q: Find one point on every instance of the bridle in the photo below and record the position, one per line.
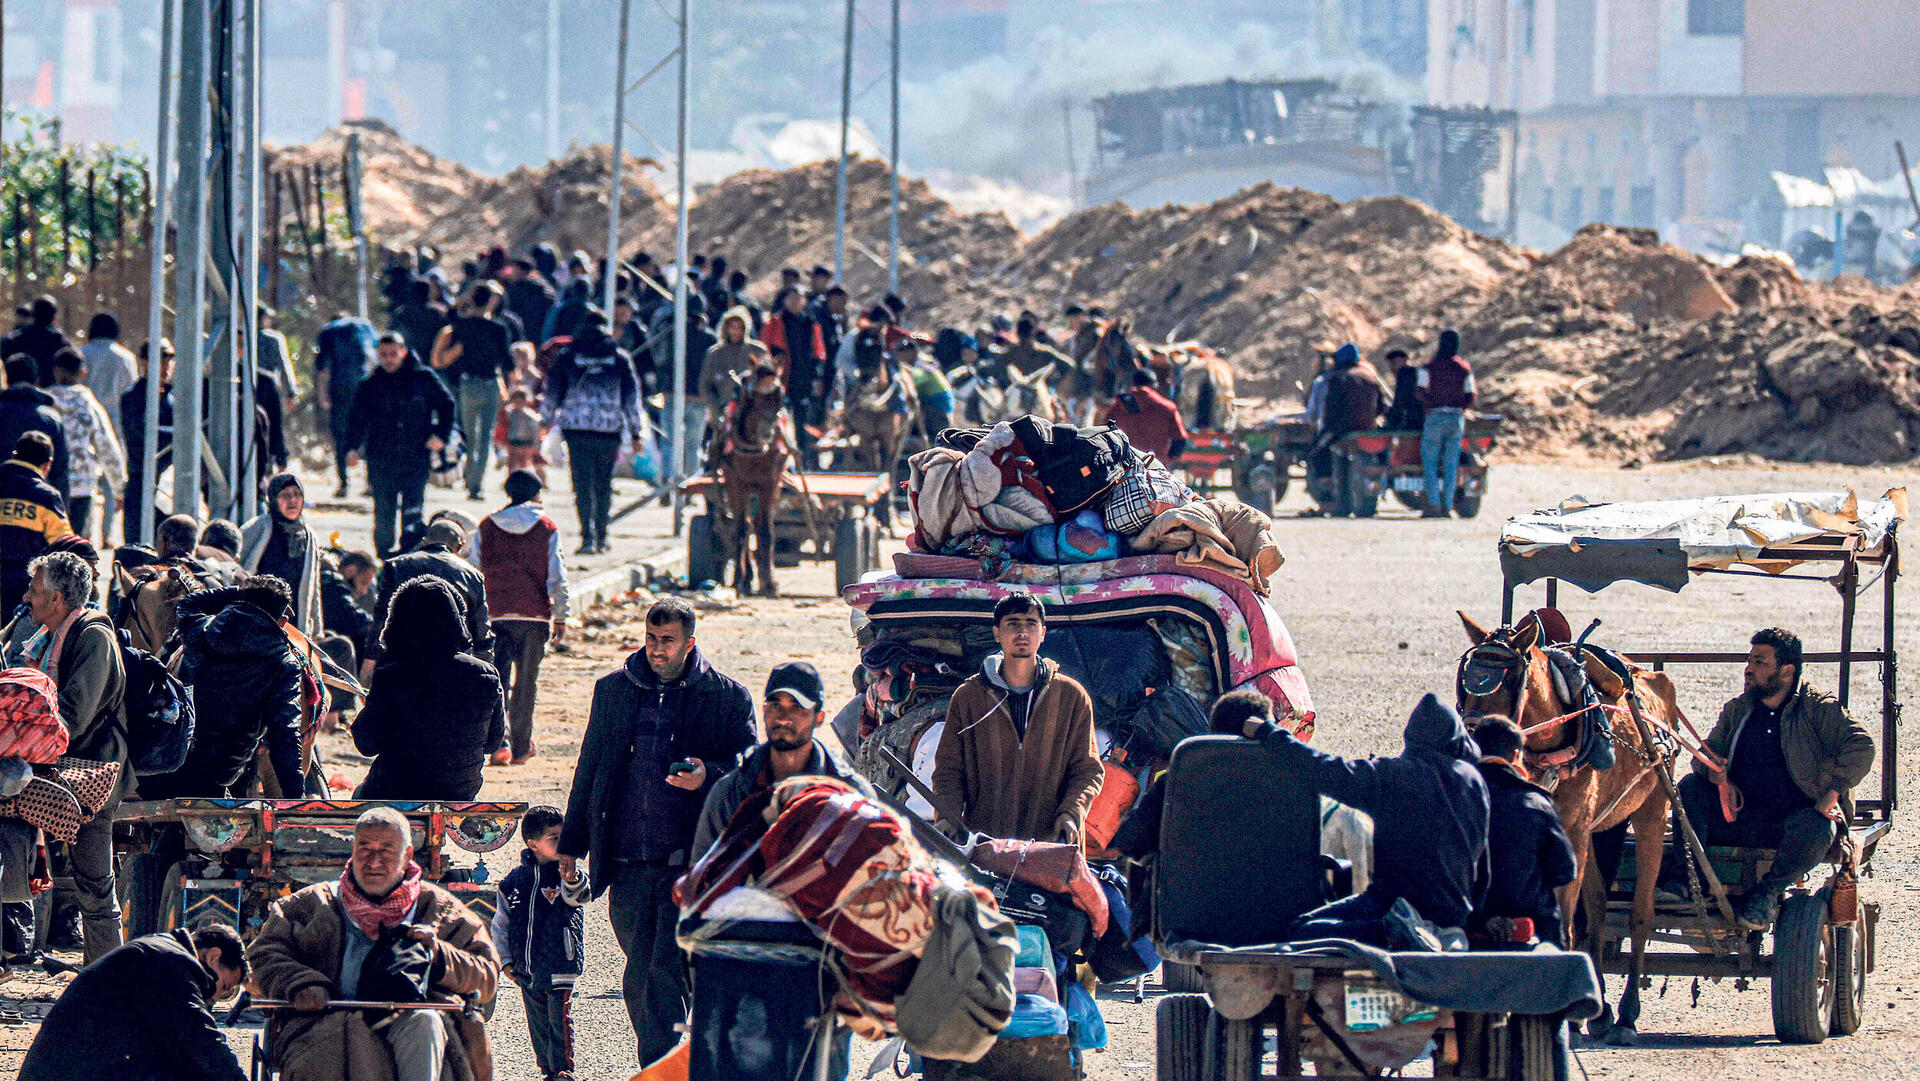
(1494, 665)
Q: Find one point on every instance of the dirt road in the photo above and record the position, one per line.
(1371, 607)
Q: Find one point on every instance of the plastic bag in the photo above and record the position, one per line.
(553, 447)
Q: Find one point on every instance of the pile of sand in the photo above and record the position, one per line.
(408, 190)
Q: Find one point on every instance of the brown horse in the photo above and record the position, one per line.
(1507, 672)
(750, 453)
(881, 407)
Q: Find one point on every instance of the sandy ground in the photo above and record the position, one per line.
(1371, 607)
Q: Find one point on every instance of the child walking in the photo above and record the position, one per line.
(541, 935)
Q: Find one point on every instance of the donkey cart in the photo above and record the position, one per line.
(1823, 939)
(822, 517)
(1350, 1010)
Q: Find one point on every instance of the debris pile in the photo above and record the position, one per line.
(408, 190)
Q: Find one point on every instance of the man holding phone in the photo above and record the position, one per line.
(662, 732)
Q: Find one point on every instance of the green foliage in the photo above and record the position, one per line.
(52, 226)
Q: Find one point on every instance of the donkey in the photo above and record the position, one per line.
(751, 452)
(981, 402)
(1508, 673)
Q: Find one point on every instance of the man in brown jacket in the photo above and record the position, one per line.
(1017, 757)
(1791, 757)
(315, 944)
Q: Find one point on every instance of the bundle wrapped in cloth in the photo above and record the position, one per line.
(851, 869)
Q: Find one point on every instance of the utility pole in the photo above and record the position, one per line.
(190, 274)
(553, 79)
(611, 280)
(245, 466)
(893, 158)
(157, 280)
(1073, 167)
(840, 165)
(681, 468)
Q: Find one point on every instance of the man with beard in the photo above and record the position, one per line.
(791, 711)
(1785, 759)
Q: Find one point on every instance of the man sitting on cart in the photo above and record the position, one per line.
(333, 940)
(1016, 760)
(1786, 758)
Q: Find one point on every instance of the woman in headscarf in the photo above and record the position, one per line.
(435, 711)
(281, 543)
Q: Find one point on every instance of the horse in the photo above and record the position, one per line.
(980, 401)
(1507, 672)
(880, 415)
(752, 448)
(1203, 385)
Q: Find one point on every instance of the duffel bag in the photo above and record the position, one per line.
(1075, 465)
(1068, 929)
(30, 725)
(1057, 868)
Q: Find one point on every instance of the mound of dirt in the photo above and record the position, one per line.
(563, 203)
(408, 190)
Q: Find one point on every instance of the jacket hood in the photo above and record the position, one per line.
(1434, 726)
(518, 518)
(1449, 345)
(641, 673)
(990, 670)
(426, 619)
(1346, 356)
(736, 312)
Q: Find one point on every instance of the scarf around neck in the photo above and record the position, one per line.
(373, 917)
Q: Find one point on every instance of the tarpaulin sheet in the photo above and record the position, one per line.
(1661, 543)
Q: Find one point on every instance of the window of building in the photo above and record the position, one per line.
(1527, 20)
(1716, 18)
(1576, 212)
(1603, 206)
(1546, 204)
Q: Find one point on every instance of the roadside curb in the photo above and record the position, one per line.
(603, 586)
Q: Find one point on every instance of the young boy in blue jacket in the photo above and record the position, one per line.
(541, 936)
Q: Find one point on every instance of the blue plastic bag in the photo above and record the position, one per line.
(1035, 1015)
(1089, 1028)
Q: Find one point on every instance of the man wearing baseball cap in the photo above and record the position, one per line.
(438, 556)
(794, 706)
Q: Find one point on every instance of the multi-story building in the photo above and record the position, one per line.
(1676, 113)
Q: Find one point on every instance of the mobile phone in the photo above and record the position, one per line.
(685, 765)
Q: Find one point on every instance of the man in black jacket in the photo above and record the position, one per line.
(663, 731)
(133, 421)
(1429, 808)
(529, 297)
(145, 1010)
(26, 408)
(402, 416)
(32, 514)
(438, 556)
(1529, 856)
(39, 338)
(246, 691)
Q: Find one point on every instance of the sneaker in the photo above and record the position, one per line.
(474, 497)
(500, 757)
(1759, 910)
(585, 549)
(340, 492)
(521, 759)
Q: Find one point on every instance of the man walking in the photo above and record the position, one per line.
(475, 351)
(96, 462)
(402, 416)
(133, 420)
(662, 732)
(438, 556)
(1446, 392)
(518, 550)
(1017, 760)
(40, 338)
(342, 352)
(32, 515)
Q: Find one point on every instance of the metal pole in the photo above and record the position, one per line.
(680, 470)
(223, 397)
(893, 159)
(357, 217)
(157, 283)
(190, 275)
(840, 166)
(1073, 167)
(243, 484)
(553, 79)
(611, 283)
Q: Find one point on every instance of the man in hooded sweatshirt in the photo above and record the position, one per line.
(1017, 759)
(1446, 392)
(736, 353)
(402, 416)
(1429, 806)
(1353, 402)
(518, 551)
(1528, 854)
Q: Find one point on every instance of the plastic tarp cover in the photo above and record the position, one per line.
(1661, 542)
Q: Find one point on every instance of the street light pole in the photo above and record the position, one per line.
(681, 468)
(157, 281)
(840, 165)
(611, 280)
(893, 162)
(190, 274)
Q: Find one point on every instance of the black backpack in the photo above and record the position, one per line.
(1075, 465)
(158, 712)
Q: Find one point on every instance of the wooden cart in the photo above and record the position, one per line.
(822, 517)
(1264, 460)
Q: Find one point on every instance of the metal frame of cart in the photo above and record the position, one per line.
(1822, 949)
(822, 517)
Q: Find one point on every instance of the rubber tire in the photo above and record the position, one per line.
(1255, 486)
(172, 913)
(870, 541)
(1237, 1051)
(704, 561)
(1530, 1050)
(1849, 979)
(1182, 1027)
(1362, 500)
(1282, 477)
(1467, 506)
(1179, 979)
(138, 882)
(849, 553)
(1801, 962)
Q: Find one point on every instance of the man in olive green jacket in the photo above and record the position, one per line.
(1792, 756)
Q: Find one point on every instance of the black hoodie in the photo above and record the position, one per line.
(1429, 808)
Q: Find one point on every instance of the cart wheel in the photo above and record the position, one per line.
(1282, 477)
(870, 535)
(138, 881)
(1531, 1054)
(1415, 500)
(173, 903)
(1362, 500)
(849, 553)
(1179, 979)
(1182, 1024)
(1237, 1049)
(1849, 978)
(1803, 970)
(1468, 506)
(704, 560)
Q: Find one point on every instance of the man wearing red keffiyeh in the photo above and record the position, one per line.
(313, 945)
